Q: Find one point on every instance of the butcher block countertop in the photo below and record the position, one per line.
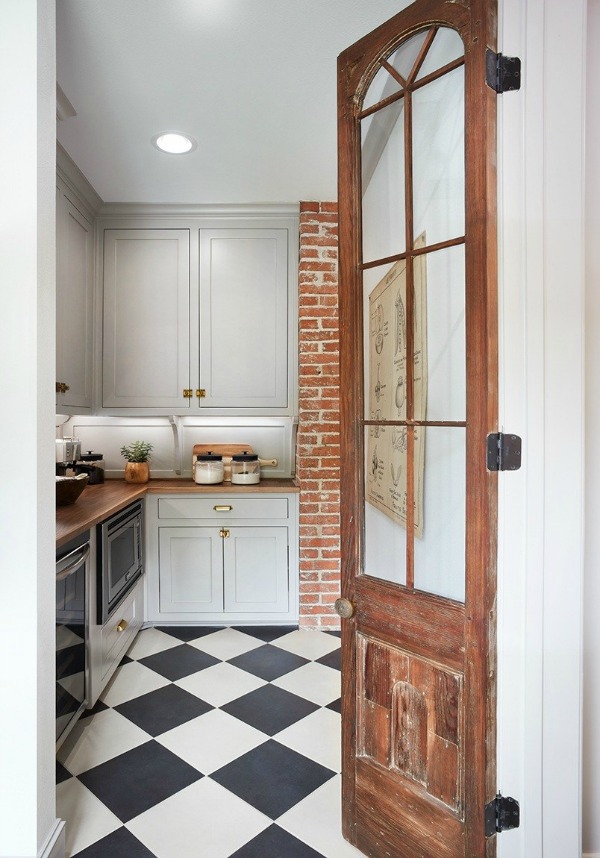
(99, 502)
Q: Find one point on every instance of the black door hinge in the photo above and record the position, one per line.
(502, 74)
(503, 452)
(501, 814)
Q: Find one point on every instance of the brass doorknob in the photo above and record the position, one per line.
(344, 608)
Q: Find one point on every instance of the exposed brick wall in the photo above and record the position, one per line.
(318, 439)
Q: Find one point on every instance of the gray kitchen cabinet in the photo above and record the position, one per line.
(74, 304)
(146, 319)
(199, 319)
(222, 559)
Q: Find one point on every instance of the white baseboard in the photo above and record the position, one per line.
(54, 846)
(591, 855)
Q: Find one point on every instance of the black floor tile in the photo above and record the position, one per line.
(335, 632)
(189, 633)
(179, 661)
(120, 844)
(335, 705)
(266, 633)
(272, 778)
(332, 659)
(163, 709)
(125, 660)
(268, 662)
(270, 709)
(61, 773)
(138, 779)
(274, 842)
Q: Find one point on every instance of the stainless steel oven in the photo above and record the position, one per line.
(71, 622)
(120, 557)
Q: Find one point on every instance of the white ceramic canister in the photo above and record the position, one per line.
(245, 469)
(208, 469)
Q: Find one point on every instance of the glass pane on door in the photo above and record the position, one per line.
(439, 558)
(440, 335)
(403, 59)
(385, 507)
(384, 312)
(383, 223)
(446, 47)
(438, 147)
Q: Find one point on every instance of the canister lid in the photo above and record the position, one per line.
(209, 457)
(91, 457)
(245, 457)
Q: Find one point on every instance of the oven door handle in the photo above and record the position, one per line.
(81, 555)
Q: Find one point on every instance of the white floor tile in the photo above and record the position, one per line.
(151, 641)
(307, 643)
(212, 740)
(98, 739)
(202, 819)
(131, 680)
(220, 683)
(314, 681)
(317, 821)
(226, 644)
(317, 737)
(87, 818)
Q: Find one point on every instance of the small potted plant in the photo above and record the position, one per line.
(137, 454)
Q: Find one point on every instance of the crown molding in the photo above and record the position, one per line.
(187, 210)
(77, 183)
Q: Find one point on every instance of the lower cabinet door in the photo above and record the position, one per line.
(190, 570)
(256, 569)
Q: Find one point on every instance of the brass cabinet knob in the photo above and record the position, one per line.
(122, 626)
(188, 392)
(224, 532)
(344, 608)
(61, 387)
(200, 392)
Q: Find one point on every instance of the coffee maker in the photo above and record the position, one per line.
(68, 451)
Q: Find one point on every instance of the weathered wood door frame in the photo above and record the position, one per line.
(473, 636)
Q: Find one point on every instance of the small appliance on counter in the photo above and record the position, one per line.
(68, 450)
(92, 464)
(240, 458)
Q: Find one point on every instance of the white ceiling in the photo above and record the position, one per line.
(254, 81)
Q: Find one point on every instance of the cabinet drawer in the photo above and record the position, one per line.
(222, 509)
(127, 618)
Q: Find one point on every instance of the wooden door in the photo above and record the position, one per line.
(418, 342)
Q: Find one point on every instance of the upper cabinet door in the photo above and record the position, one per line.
(74, 245)
(244, 318)
(146, 331)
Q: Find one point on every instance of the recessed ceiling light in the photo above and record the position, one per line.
(174, 143)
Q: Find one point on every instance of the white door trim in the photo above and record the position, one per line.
(540, 570)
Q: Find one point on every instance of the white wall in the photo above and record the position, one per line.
(591, 664)
(27, 537)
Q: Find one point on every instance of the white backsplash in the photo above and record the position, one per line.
(173, 440)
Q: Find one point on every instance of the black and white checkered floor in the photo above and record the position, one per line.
(210, 743)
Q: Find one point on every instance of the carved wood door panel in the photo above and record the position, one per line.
(418, 343)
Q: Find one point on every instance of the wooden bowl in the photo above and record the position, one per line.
(68, 489)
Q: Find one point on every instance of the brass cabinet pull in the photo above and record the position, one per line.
(224, 532)
(122, 626)
(222, 507)
(200, 392)
(187, 392)
(344, 608)
(61, 387)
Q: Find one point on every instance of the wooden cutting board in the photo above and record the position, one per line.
(221, 449)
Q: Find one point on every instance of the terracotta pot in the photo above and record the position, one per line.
(137, 472)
